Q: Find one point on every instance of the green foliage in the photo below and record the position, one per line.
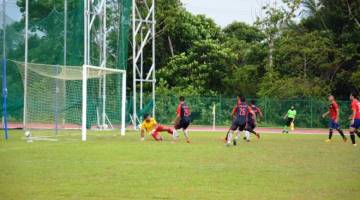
(204, 66)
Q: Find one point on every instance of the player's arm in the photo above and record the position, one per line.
(353, 115)
(294, 117)
(142, 131)
(337, 115)
(286, 115)
(260, 113)
(253, 114)
(233, 113)
(325, 114)
(178, 113)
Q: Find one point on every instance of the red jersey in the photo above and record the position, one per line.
(355, 107)
(333, 110)
(182, 110)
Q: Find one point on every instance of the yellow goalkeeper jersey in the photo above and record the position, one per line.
(149, 126)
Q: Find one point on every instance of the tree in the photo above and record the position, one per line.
(204, 67)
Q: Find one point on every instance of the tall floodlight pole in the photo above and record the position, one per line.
(143, 27)
(153, 57)
(4, 72)
(134, 116)
(26, 63)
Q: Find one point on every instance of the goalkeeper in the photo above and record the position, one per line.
(150, 126)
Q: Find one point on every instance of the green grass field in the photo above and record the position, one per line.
(114, 167)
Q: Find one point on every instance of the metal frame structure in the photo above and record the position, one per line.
(143, 31)
(96, 10)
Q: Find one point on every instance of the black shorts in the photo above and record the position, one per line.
(183, 124)
(251, 126)
(289, 121)
(238, 125)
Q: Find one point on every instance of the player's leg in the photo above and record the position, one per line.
(357, 132)
(352, 135)
(169, 130)
(287, 125)
(330, 125)
(155, 134)
(247, 132)
(233, 128)
(238, 135)
(252, 127)
(342, 134)
(142, 134)
(186, 134)
(185, 126)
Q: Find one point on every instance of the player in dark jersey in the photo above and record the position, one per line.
(334, 112)
(182, 120)
(251, 124)
(240, 117)
(355, 118)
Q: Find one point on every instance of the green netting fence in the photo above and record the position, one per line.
(309, 110)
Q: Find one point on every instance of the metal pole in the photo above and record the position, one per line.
(141, 73)
(65, 54)
(5, 99)
(57, 90)
(84, 75)
(4, 73)
(123, 104)
(65, 32)
(104, 64)
(153, 57)
(134, 61)
(26, 64)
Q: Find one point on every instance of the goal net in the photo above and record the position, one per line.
(55, 99)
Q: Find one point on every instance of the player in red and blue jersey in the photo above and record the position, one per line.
(240, 114)
(334, 112)
(182, 120)
(355, 118)
(251, 124)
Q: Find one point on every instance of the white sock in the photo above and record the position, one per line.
(238, 135)
(247, 135)
(175, 134)
(229, 137)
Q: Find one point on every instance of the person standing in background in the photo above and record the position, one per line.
(290, 118)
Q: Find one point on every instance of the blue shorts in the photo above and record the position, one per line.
(356, 124)
(333, 124)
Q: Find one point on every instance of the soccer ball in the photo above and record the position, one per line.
(105, 126)
(27, 134)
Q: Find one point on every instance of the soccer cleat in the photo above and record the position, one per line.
(234, 142)
(345, 140)
(244, 138)
(227, 144)
(188, 141)
(258, 136)
(247, 140)
(327, 140)
(355, 145)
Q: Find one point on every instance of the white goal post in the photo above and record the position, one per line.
(84, 97)
(73, 97)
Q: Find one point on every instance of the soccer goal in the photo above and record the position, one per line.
(72, 97)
